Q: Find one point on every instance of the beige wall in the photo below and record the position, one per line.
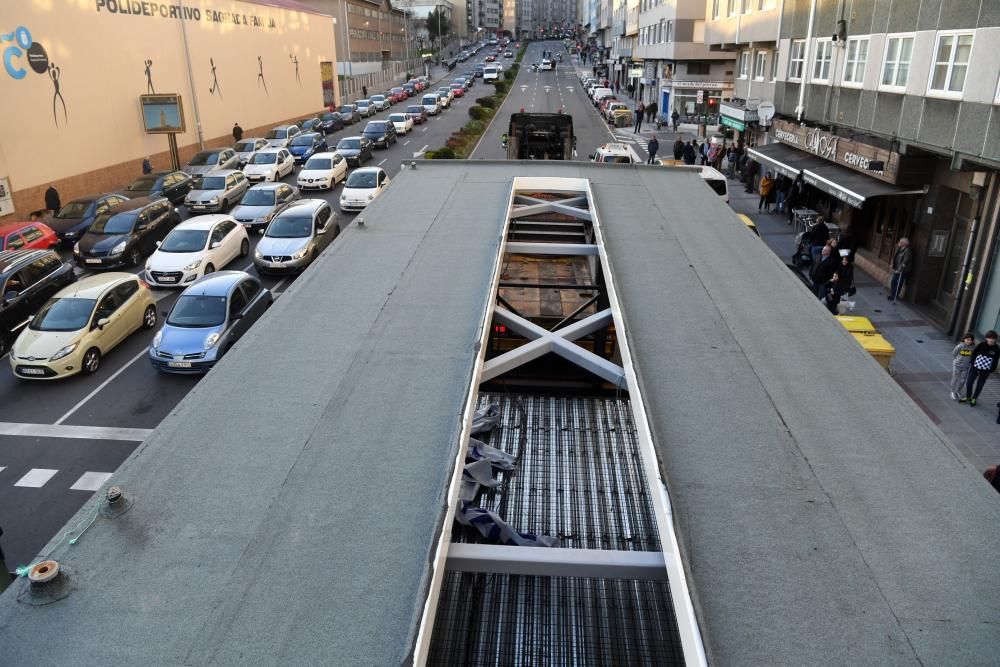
(101, 57)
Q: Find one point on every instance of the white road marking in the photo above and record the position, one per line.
(421, 151)
(90, 481)
(274, 290)
(36, 478)
(382, 162)
(78, 432)
(423, 130)
(101, 386)
(2, 468)
(406, 143)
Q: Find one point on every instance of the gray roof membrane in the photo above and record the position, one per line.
(288, 509)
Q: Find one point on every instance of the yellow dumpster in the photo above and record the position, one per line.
(877, 346)
(856, 324)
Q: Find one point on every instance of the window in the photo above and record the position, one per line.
(715, 8)
(824, 56)
(702, 68)
(125, 291)
(251, 288)
(774, 65)
(744, 65)
(31, 234)
(759, 58)
(670, 31)
(951, 61)
(734, 8)
(747, 6)
(857, 58)
(237, 302)
(767, 4)
(797, 63)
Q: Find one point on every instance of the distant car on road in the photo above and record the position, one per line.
(215, 193)
(80, 325)
(380, 102)
(262, 202)
(210, 161)
(365, 108)
(27, 236)
(306, 145)
(75, 217)
(196, 247)
(127, 233)
(381, 133)
(309, 124)
(246, 148)
(457, 90)
(322, 172)
(418, 113)
(281, 135)
(356, 150)
(270, 164)
(27, 279)
(296, 237)
(508, 54)
(350, 114)
(331, 121)
(362, 187)
(174, 185)
(208, 318)
(431, 103)
(402, 122)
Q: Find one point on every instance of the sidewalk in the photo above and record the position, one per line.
(922, 365)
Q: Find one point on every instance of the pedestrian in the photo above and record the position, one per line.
(52, 201)
(651, 111)
(900, 267)
(676, 118)
(688, 153)
(984, 361)
(818, 235)
(961, 361)
(703, 152)
(823, 270)
(834, 292)
(147, 166)
(629, 89)
(618, 87)
(780, 190)
(639, 111)
(679, 149)
(237, 132)
(796, 194)
(652, 147)
(364, 92)
(766, 184)
(750, 176)
(731, 157)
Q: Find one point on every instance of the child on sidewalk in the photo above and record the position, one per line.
(961, 359)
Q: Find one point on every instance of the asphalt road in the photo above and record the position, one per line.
(59, 441)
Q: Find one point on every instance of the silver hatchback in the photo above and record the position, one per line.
(296, 237)
(262, 203)
(214, 193)
(211, 161)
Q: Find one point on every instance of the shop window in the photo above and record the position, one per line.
(896, 67)
(951, 61)
(698, 68)
(857, 59)
(822, 61)
(797, 62)
(759, 62)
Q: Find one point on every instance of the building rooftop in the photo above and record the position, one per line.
(818, 515)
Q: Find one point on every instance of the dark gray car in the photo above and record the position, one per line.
(262, 202)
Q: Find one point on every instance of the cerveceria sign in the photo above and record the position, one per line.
(165, 10)
(871, 160)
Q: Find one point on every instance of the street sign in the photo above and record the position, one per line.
(701, 96)
(765, 112)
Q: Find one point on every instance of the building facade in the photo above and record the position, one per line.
(889, 112)
(484, 17)
(371, 33)
(72, 116)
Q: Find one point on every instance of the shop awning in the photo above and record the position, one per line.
(850, 186)
(784, 159)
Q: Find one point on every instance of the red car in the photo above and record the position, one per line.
(417, 113)
(458, 90)
(417, 84)
(490, 59)
(27, 236)
(398, 93)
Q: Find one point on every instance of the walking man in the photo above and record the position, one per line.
(901, 261)
(639, 112)
(676, 118)
(688, 153)
(237, 132)
(651, 111)
(147, 166)
(679, 149)
(652, 147)
(984, 362)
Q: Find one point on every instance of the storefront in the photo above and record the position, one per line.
(740, 119)
(682, 95)
(71, 105)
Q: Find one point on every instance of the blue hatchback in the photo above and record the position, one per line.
(305, 145)
(208, 318)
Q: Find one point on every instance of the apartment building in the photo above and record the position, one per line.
(370, 33)
(484, 16)
(888, 110)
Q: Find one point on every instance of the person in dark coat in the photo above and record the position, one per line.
(652, 147)
(676, 118)
(364, 92)
(147, 166)
(823, 271)
(237, 132)
(818, 234)
(679, 149)
(984, 361)
(750, 175)
(902, 261)
(52, 201)
(688, 154)
(651, 111)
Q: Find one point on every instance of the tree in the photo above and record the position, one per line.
(438, 24)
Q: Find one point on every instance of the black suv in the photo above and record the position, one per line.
(27, 279)
(382, 133)
(126, 233)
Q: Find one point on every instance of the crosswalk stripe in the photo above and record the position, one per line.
(90, 481)
(74, 431)
(36, 477)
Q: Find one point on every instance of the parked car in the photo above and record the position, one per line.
(431, 103)
(27, 279)
(418, 113)
(322, 172)
(356, 150)
(350, 114)
(207, 319)
(246, 148)
(281, 135)
(126, 233)
(410, 88)
(270, 164)
(210, 161)
(331, 121)
(380, 102)
(457, 90)
(296, 237)
(174, 185)
(196, 247)
(81, 324)
(27, 236)
(417, 84)
(381, 133)
(398, 94)
(306, 145)
(444, 97)
(74, 218)
(402, 122)
(478, 72)
(215, 193)
(365, 108)
(262, 202)
(362, 187)
(309, 124)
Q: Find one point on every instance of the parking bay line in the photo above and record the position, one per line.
(101, 386)
(382, 162)
(72, 431)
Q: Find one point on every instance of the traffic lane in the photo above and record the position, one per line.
(30, 515)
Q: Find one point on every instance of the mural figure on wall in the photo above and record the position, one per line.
(54, 74)
(295, 61)
(260, 74)
(215, 81)
(149, 78)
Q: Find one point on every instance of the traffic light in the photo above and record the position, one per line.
(712, 102)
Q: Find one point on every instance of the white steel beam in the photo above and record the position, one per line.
(563, 249)
(556, 562)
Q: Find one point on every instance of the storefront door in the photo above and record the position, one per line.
(952, 215)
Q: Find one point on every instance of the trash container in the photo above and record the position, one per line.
(621, 120)
(856, 324)
(877, 346)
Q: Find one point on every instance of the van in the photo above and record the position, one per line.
(600, 94)
(713, 177)
(431, 103)
(491, 73)
(616, 153)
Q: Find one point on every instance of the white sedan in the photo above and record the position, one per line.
(362, 187)
(402, 121)
(270, 164)
(196, 247)
(322, 171)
